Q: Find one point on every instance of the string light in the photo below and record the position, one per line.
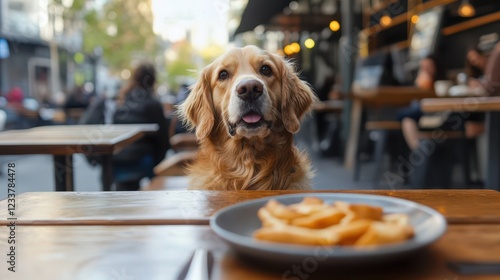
(295, 47)
(309, 43)
(415, 19)
(288, 50)
(466, 9)
(385, 20)
(334, 26)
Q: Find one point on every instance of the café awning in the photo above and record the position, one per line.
(259, 12)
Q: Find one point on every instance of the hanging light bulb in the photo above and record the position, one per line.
(415, 19)
(295, 47)
(385, 20)
(466, 9)
(309, 43)
(288, 49)
(334, 26)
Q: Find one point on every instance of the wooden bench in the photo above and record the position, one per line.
(175, 164)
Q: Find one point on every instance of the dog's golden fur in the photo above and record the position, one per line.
(235, 156)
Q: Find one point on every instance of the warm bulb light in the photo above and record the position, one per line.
(415, 19)
(334, 26)
(309, 43)
(288, 50)
(385, 20)
(295, 47)
(466, 10)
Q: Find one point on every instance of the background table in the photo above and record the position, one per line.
(196, 207)
(63, 141)
(489, 105)
(394, 96)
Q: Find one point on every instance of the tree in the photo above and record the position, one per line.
(183, 65)
(123, 29)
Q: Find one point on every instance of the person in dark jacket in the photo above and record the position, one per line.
(135, 103)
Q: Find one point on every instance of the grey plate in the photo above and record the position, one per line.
(236, 224)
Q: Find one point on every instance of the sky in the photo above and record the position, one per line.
(206, 20)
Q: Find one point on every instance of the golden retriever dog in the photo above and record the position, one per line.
(245, 108)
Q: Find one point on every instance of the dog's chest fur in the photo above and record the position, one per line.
(247, 165)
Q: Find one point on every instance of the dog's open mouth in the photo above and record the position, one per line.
(251, 121)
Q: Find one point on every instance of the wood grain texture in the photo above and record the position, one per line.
(461, 104)
(159, 252)
(391, 95)
(71, 139)
(196, 207)
(328, 106)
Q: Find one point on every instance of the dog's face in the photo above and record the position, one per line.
(250, 92)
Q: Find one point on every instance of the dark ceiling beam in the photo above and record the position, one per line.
(301, 22)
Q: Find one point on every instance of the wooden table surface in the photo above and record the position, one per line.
(329, 106)
(391, 95)
(70, 139)
(160, 252)
(195, 207)
(461, 104)
(62, 141)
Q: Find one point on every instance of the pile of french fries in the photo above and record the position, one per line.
(314, 222)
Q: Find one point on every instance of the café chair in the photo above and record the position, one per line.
(3, 119)
(169, 172)
(382, 130)
(435, 170)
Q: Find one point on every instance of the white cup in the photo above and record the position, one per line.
(441, 87)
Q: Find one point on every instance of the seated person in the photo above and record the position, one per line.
(477, 63)
(490, 81)
(135, 104)
(430, 71)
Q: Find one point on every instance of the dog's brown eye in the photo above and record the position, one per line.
(266, 70)
(223, 75)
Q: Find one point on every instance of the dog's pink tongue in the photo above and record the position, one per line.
(251, 118)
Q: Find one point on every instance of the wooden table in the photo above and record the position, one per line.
(329, 106)
(159, 252)
(394, 96)
(489, 105)
(195, 207)
(143, 235)
(62, 141)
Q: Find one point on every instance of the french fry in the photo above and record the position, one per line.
(281, 211)
(350, 231)
(309, 209)
(361, 211)
(297, 235)
(384, 233)
(269, 220)
(396, 218)
(322, 219)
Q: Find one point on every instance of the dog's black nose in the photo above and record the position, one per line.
(249, 89)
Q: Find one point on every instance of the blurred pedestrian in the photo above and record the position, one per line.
(135, 104)
(18, 117)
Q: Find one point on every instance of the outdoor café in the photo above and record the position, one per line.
(250, 139)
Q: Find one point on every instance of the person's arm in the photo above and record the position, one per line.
(491, 80)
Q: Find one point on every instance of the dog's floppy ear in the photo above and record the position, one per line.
(197, 110)
(297, 98)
